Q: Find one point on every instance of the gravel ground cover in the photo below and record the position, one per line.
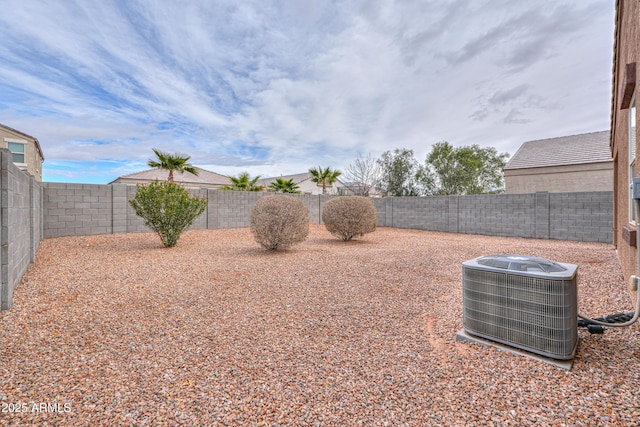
(117, 330)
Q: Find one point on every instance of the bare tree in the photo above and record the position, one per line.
(363, 175)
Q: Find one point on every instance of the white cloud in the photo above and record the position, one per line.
(277, 87)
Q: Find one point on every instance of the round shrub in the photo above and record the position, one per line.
(278, 222)
(350, 216)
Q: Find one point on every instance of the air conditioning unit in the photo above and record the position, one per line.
(525, 302)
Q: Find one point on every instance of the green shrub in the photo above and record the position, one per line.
(278, 222)
(167, 209)
(347, 217)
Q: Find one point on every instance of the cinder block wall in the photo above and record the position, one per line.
(77, 209)
(586, 216)
(80, 209)
(315, 204)
(36, 223)
(20, 225)
(231, 209)
(423, 213)
(87, 209)
(497, 215)
(30, 211)
(125, 219)
(133, 223)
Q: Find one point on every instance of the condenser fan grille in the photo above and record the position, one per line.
(530, 312)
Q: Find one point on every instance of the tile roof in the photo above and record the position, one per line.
(565, 150)
(297, 178)
(204, 177)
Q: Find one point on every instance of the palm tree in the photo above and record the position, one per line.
(284, 186)
(324, 177)
(243, 183)
(172, 162)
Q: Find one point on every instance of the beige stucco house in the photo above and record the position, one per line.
(306, 186)
(566, 164)
(204, 179)
(27, 154)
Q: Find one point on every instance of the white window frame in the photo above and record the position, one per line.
(632, 157)
(18, 141)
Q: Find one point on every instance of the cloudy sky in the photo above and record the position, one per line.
(276, 87)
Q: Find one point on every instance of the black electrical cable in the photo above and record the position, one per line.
(612, 318)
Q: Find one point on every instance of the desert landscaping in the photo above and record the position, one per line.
(118, 330)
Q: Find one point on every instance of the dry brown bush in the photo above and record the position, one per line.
(278, 222)
(347, 217)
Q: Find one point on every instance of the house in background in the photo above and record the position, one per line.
(27, 154)
(359, 189)
(304, 182)
(559, 165)
(624, 132)
(204, 179)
